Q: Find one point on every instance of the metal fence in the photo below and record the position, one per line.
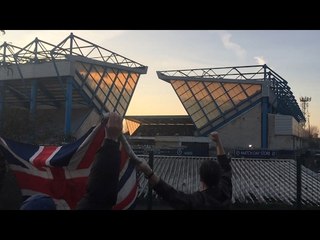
(257, 183)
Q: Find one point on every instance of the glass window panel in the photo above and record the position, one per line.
(132, 84)
(189, 102)
(226, 106)
(218, 92)
(129, 85)
(186, 95)
(197, 115)
(95, 77)
(122, 78)
(193, 108)
(196, 88)
(95, 74)
(109, 77)
(245, 86)
(205, 101)
(116, 91)
(123, 102)
(214, 114)
(228, 86)
(200, 95)
(120, 110)
(209, 108)
(239, 98)
(101, 95)
(201, 122)
(92, 84)
(134, 77)
(126, 95)
(176, 84)
(110, 106)
(82, 68)
(130, 91)
(182, 89)
(204, 92)
(99, 70)
(104, 87)
(234, 91)
(112, 99)
(212, 86)
(192, 83)
(222, 99)
(253, 89)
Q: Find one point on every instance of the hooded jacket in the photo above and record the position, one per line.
(213, 198)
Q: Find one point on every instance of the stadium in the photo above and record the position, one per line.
(52, 94)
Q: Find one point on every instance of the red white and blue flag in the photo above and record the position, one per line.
(62, 171)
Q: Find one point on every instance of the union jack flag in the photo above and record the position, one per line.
(62, 171)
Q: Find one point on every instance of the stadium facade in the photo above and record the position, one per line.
(252, 107)
(62, 90)
(59, 91)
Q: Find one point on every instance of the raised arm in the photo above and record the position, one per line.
(102, 188)
(225, 163)
(219, 147)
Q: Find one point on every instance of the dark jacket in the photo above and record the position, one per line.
(212, 198)
(102, 187)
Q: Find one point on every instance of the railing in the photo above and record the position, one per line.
(257, 183)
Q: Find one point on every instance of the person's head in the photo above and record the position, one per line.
(38, 202)
(210, 173)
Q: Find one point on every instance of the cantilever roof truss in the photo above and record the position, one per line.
(214, 96)
(101, 78)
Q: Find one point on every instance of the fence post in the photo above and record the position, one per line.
(151, 156)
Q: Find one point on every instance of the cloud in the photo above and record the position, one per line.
(260, 60)
(230, 45)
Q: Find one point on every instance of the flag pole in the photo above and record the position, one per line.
(133, 157)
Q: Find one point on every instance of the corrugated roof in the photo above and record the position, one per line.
(255, 181)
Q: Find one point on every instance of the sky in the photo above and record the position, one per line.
(293, 54)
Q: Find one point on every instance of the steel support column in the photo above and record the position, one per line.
(33, 98)
(33, 108)
(68, 108)
(264, 122)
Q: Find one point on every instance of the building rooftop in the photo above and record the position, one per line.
(215, 96)
(255, 181)
(160, 125)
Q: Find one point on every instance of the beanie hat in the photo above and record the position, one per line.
(38, 202)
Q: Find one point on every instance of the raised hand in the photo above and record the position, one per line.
(114, 126)
(214, 136)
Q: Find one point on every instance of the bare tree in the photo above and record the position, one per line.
(314, 131)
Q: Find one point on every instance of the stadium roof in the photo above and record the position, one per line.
(156, 125)
(255, 181)
(161, 119)
(40, 73)
(41, 51)
(232, 90)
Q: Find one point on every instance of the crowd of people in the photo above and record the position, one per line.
(215, 190)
